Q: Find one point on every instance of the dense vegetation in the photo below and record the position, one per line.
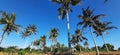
(61, 49)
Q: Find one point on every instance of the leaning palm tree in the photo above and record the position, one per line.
(78, 37)
(31, 29)
(64, 10)
(89, 20)
(8, 20)
(53, 35)
(100, 28)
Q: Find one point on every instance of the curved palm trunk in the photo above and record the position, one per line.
(2, 37)
(68, 27)
(94, 40)
(105, 44)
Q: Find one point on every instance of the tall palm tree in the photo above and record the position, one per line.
(53, 35)
(100, 28)
(89, 20)
(78, 37)
(31, 29)
(8, 20)
(64, 10)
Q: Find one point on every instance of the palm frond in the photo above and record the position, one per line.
(75, 2)
(57, 1)
(110, 27)
(80, 23)
(96, 17)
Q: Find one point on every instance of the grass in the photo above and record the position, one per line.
(81, 53)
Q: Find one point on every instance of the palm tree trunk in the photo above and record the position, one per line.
(68, 27)
(105, 44)
(80, 49)
(2, 37)
(26, 42)
(32, 45)
(51, 46)
(94, 40)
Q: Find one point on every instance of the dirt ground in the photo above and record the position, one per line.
(82, 53)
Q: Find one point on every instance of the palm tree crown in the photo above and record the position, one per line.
(100, 28)
(8, 20)
(53, 34)
(78, 37)
(65, 6)
(31, 29)
(88, 18)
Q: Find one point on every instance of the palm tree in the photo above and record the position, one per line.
(78, 37)
(36, 42)
(43, 42)
(100, 28)
(31, 29)
(89, 20)
(86, 44)
(53, 35)
(64, 10)
(8, 20)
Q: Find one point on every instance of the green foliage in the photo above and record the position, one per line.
(78, 47)
(8, 22)
(1, 49)
(31, 29)
(78, 37)
(53, 34)
(21, 52)
(103, 48)
(65, 6)
(110, 47)
(119, 49)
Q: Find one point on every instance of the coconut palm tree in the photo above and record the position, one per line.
(64, 10)
(53, 35)
(86, 44)
(89, 20)
(36, 42)
(31, 29)
(78, 37)
(43, 42)
(8, 21)
(100, 28)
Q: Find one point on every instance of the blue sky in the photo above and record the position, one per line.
(43, 14)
